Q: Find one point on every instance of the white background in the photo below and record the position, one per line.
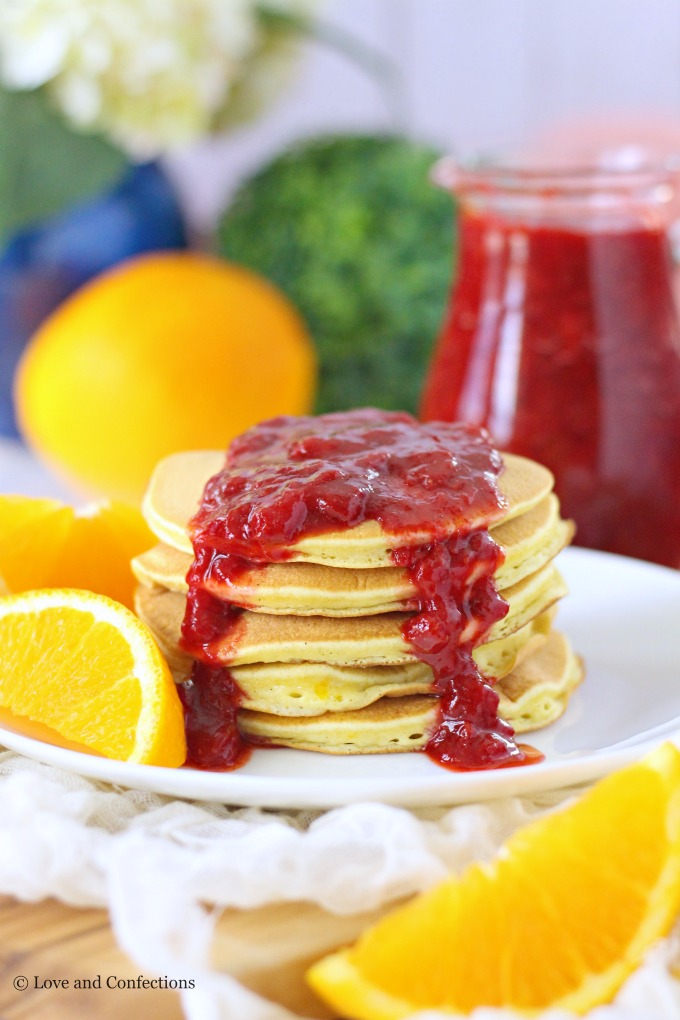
(477, 75)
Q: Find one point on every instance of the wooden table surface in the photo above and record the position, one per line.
(267, 949)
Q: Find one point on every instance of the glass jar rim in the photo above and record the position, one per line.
(578, 180)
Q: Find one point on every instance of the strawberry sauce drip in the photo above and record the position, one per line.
(433, 487)
(211, 699)
(459, 605)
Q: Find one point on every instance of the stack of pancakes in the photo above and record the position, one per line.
(318, 652)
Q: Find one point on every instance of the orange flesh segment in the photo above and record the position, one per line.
(559, 919)
(88, 668)
(46, 544)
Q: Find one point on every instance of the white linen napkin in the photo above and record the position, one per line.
(158, 865)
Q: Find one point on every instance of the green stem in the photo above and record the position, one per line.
(376, 64)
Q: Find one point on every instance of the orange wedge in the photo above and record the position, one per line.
(47, 544)
(89, 669)
(559, 919)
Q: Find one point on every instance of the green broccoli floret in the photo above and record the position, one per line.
(356, 235)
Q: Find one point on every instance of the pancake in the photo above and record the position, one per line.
(528, 703)
(531, 540)
(316, 646)
(298, 689)
(290, 588)
(539, 695)
(312, 688)
(364, 641)
(177, 484)
(309, 589)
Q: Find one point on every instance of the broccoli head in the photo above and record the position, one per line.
(354, 232)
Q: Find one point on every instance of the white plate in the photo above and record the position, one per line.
(622, 616)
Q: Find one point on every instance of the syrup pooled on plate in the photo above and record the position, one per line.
(290, 478)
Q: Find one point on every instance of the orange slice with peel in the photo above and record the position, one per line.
(85, 666)
(558, 920)
(47, 544)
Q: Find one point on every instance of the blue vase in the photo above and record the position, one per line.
(43, 264)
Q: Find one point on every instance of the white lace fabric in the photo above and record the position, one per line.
(159, 865)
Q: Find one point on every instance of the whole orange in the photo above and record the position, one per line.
(166, 352)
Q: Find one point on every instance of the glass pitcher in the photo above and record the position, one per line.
(562, 338)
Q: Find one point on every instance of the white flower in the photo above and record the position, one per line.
(152, 74)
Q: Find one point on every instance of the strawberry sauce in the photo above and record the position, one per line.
(431, 486)
(563, 340)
